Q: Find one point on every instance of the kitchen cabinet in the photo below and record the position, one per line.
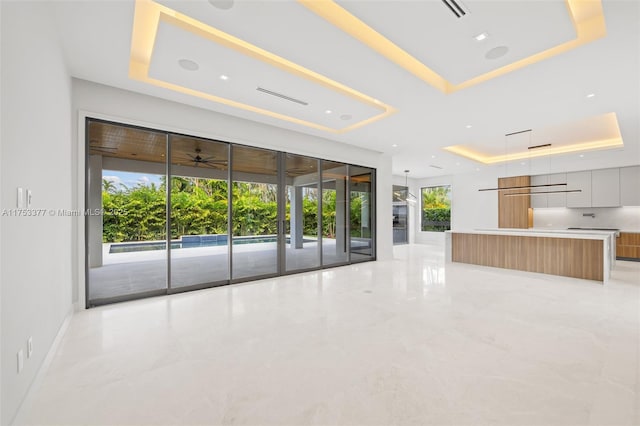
(628, 246)
(549, 200)
(557, 200)
(582, 181)
(630, 186)
(605, 188)
(539, 201)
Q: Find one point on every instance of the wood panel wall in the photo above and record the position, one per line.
(556, 256)
(628, 245)
(513, 212)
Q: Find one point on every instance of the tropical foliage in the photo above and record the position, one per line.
(199, 206)
(436, 208)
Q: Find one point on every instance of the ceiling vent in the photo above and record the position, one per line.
(435, 167)
(281, 96)
(455, 7)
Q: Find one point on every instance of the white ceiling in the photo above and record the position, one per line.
(96, 37)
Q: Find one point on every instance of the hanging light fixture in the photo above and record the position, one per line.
(543, 186)
(411, 199)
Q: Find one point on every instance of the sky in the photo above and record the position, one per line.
(130, 179)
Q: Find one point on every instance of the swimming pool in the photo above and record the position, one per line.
(193, 241)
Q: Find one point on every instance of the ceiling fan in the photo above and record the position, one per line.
(206, 161)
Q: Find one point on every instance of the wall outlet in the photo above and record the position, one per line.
(20, 360)
(29, 347)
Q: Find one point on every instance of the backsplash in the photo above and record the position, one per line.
(623, 218)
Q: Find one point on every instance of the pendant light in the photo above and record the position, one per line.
(411, 199)
(543, 186)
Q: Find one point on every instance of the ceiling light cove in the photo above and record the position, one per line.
(366, 22)
(162, 35)
(595, 133)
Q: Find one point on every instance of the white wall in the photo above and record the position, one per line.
(95, 100)
(1, 135)
(35, 266)
(470, 208)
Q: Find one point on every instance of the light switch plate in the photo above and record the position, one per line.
(20, 360)
(20, 199)
(28, 198)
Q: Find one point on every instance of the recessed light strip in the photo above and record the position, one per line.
(149, 14)
(586, 16)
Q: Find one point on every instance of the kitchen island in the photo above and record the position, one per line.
(578, 254)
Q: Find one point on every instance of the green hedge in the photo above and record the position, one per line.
(436, 219)
(200, 207)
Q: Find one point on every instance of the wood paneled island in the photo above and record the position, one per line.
(570, 254)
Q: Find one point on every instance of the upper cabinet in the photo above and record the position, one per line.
(549, 200)
(558, 199)
(539, 201)
(630, 186)
(581, 181)
(599, 188)
(605, 188)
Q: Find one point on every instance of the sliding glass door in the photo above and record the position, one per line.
(335, 226)
(181, 212)
(126, 230)
(301, 224)
(254, 212)
(362, 206)
(199, 249)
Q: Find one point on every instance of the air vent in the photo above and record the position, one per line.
(435, 167)
(455, 7)
(281, 96)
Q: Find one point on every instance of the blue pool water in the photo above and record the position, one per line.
(190, 241)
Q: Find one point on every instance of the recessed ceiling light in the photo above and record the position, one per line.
(581, 155)
(457, 164)
(481, 37)
(395, 145)
(328, 111)
(496, 52)
(468, 126)
(222, 4)
(224, 77)
(188, 65)
(523, 163)
(591, 95)
(477, 169)
(433, 156)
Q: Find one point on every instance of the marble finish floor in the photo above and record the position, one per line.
(407, 341)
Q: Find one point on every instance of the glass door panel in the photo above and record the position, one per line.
(400, 215)
(126, 245)
(302, 250)
(199, 209)
(361, 205)
(334, 213)
(254, 212)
